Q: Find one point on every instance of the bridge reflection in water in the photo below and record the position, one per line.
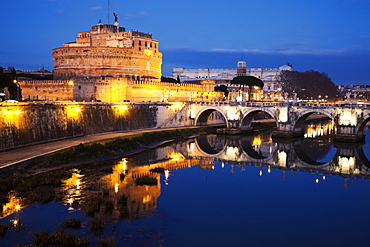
(318, 156)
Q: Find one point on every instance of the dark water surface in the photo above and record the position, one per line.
(238, 191)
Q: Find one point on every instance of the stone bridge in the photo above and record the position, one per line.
(349, 118)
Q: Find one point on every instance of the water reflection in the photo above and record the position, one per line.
(208, 152)
(319, 128)
(130, 188)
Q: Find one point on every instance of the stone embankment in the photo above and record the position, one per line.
(32, 123)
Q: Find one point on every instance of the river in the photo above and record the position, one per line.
(209, 191)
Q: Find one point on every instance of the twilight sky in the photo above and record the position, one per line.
(331, 36)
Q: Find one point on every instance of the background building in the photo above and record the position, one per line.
(272, 89)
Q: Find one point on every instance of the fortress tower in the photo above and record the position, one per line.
(108, 50)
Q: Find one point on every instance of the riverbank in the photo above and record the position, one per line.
(24, 156)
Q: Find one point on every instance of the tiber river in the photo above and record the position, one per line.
(213, 191)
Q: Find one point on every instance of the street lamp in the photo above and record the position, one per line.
(17, 84)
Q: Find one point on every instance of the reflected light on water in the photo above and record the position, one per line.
(314, 130)
(72, 187)
(282, 155)
(13, 206)
(346, 164)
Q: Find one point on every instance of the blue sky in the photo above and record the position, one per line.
(331, 36)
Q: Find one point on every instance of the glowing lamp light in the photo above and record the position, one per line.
(176, 106)
(70, 83)
(17, 207)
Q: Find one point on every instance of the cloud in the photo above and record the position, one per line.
(96, 8)
(278, 51)
(136, 16)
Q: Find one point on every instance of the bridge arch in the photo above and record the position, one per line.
(361, 125)
(248, 117)
(211, 148)
(302, 116)
(306, 159)
(202, 118)
(257, 155)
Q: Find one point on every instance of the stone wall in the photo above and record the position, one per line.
(27, 124)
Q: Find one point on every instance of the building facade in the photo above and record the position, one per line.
(272, 90)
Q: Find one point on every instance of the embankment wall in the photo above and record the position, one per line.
(27, 124)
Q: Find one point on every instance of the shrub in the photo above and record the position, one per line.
(3, 228)
(59, 238)
(71, 223)
(109, 242)
(96, 225)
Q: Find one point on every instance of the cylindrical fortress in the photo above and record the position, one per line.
(109, 50)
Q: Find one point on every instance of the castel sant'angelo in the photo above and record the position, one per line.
(110, 64)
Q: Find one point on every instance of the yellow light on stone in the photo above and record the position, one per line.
(120, 110)
(73, 112)
(283, 115)
(148, 52)
(175, 106)
(70, 83)
(11, 115)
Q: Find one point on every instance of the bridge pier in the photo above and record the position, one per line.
(284, 131)
(347, 133)
(282, 134)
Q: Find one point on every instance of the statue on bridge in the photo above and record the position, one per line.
(286, 99)
(348, 97)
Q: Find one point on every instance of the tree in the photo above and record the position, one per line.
(309, 85)
(7, 81)
(168, 79)
(222, 88)
(249, 81)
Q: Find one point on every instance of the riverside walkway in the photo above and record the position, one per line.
(15, 156)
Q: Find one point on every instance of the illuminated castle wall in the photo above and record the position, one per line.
(110, 64)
